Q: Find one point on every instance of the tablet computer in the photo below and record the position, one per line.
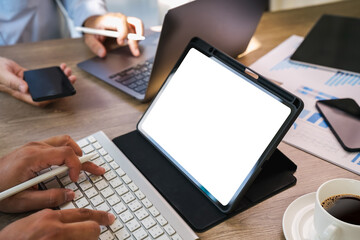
(332, 44)
(216, 123)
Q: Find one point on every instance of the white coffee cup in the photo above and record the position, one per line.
(327, 226)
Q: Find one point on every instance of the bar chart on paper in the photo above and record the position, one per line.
(341, 79)
(310, 132)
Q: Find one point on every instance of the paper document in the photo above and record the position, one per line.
(310, 132)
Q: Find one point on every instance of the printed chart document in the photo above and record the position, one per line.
(310, 132)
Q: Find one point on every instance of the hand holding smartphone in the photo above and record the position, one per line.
(343, 118)
(48, 83)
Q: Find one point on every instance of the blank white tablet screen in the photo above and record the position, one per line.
(213, 124)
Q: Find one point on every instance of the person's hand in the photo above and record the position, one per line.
(59, 224)
(115, 22)
(23, 163)
(12, 82)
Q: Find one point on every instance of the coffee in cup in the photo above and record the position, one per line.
(345, 207)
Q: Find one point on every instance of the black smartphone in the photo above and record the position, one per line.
(343, 118)
(48, 83)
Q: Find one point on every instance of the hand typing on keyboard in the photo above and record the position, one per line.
(23, 164)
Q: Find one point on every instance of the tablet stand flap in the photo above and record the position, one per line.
(191, 204)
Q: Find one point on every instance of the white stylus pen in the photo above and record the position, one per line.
(41, 178)
(107, 33)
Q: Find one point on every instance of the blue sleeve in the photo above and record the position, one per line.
(80, 10)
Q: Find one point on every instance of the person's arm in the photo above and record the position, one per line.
(12, 82)
(58, 224)
(93, 14)
(23, 163)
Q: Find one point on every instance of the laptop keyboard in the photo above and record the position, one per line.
(135, 78)
(136, 217)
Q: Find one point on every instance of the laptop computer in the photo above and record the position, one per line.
(226, 24)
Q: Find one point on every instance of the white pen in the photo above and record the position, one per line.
(41, 178)
(107, 33)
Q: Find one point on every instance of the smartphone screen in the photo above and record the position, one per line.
(48, 83)
(343, 118)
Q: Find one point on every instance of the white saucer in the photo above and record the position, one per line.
(298, 219)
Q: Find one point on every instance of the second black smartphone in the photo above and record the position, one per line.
(48, 83)
(343, 118)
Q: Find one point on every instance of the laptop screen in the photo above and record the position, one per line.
(213, 124)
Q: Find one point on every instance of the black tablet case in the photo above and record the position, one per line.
(195, 208)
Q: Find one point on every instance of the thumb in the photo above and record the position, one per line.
(38, 199)
(16, 83)
(95, 45)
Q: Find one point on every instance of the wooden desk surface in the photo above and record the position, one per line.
(97, 106)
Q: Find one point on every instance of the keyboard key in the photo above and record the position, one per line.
(161, 220)
(82, 143)
(82, 177)
(91, 192)
(116, 225)
(103, 207)
(101, 184)
(114, 165)
(88, 149)
(148, 222)
(108, 158)
(98, 161)
(65, 180)
(133, 225)
(85, 185)
(97, 200)
(78, 195)
(133, 187)
(140, 234)
(102, 151)
(120, 172)
(91, 139)
(122, 234)
(141, 214)
(122, 189)
(103, 228)
(71, 186)
(134, 205)
(107, 192)
(110, 175)
(112, 200)
(163, 237)
(126, 179)
(169, 229)
(82, 202)
(119, 208)
(176, 237)
(154, 211)
(126, 216)
(128, 197)
(95, 178)
(106, 236)
(139, 194)
(115, 182)
(106, 167)
(146, 202)
(156, 231)
(97, 145)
